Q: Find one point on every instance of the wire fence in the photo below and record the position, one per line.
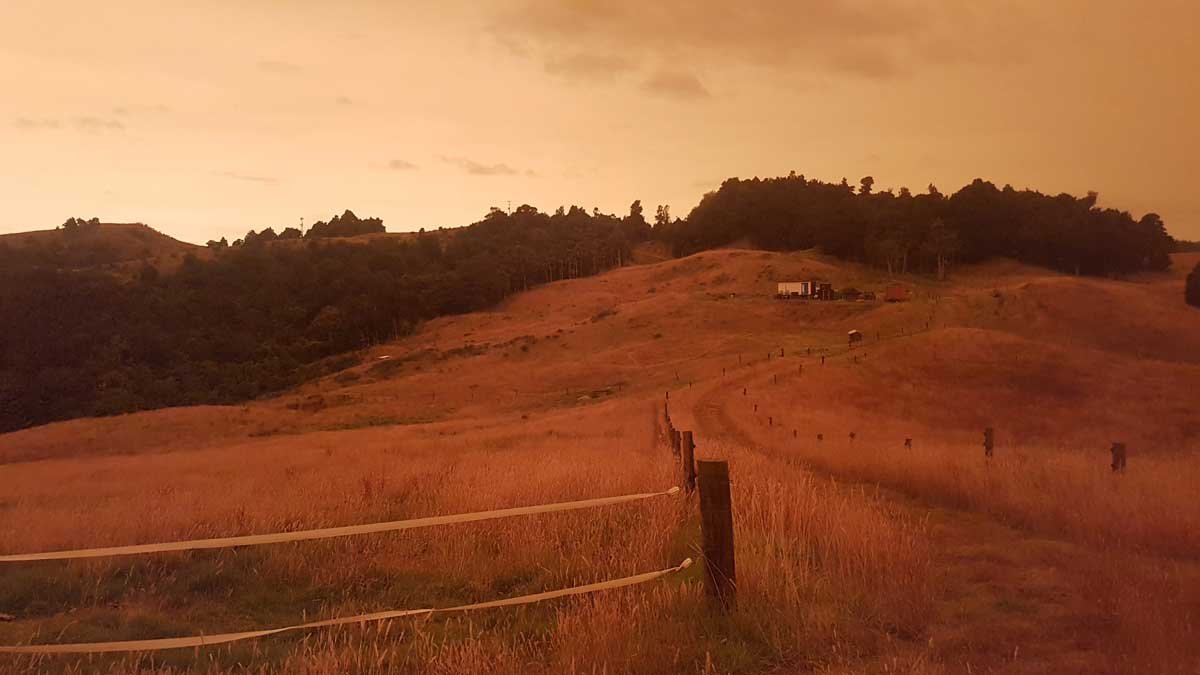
(328, 533)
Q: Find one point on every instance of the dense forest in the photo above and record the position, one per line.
(260, 317)
(924, 232)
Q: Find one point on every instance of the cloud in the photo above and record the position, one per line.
(266, 180)
(34, 124)
(870, 64)
(279, 67)
(587, 67)
(401, 165)
(141, 109)
(676, 84)
(875, 40)
(97, 124)
(344, 100)
(478, 169)
(87, 124)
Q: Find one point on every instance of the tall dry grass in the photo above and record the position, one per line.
(1139, 530)
(1151, 507)
(826, 576)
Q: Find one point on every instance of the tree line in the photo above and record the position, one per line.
(927, 232)
(258, 319)
(254, 318)
(345, 225)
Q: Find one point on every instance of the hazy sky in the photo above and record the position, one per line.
(211, 117)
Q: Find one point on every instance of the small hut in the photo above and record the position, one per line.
(854, 337)
(897, 293)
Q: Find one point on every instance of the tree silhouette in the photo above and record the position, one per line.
(898, 232)
(1192, 287)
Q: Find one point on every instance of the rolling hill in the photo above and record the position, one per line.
(857, 556)
(104, 245)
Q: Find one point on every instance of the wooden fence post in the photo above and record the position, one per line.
(675, 442)
(1118, 457)
(989, 441)
(716, 529)
(688, 460)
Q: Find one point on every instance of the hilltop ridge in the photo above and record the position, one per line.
(101, 245)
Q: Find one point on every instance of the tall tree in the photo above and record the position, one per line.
(662, 216)
(941, 243)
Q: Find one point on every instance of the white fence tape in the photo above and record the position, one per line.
(207, 640)
(331, 532)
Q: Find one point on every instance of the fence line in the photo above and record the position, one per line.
(332, 532)
(223, 638)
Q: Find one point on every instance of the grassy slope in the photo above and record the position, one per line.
(107, 245)
(549, 397)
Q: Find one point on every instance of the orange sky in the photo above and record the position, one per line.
(211, 117)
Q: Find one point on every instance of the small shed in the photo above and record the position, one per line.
(897, 293)
(854, 337)
(797, 289)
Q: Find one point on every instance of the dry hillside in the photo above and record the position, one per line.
(106, 245)
(855, 554)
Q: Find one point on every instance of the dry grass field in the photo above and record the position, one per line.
(854, 555)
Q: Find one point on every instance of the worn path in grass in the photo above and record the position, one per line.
(1008, 600)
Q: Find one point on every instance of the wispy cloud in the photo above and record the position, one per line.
(98, 124)
(34, 124)
(401, 165)
(279, 67)
(587, 67)
(266, 180)
(87, 124)
(676, 84)
(141, 109)
(479, 169)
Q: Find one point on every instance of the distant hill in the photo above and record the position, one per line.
(100, 323)
(94, 245)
